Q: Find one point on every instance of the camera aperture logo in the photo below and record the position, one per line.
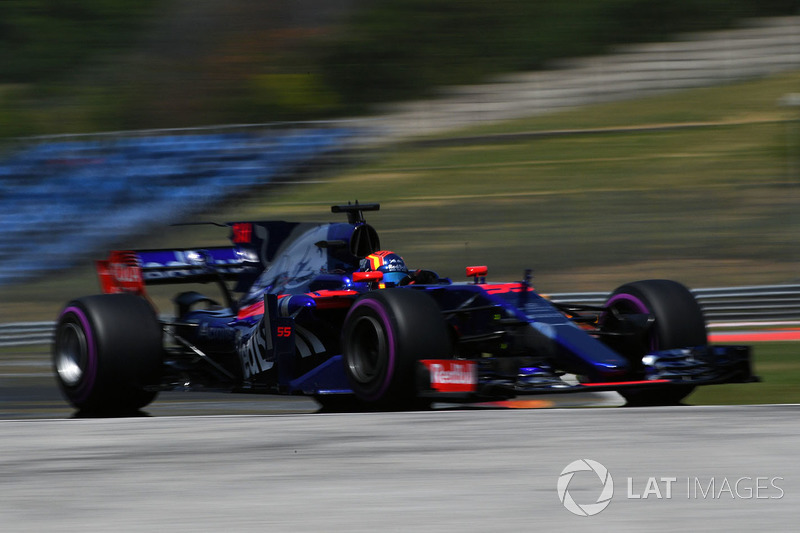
(598, 479)
(606, 492)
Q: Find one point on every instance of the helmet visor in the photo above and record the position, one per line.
(394, 277)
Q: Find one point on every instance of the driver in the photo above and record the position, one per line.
(391, 264)
(394, 270)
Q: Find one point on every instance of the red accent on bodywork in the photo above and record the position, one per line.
(242, 232)
(449, 375)
(122, 272)
(616, 383)
(334, 299)
(323, 299)
(255, 309)
(501, 288)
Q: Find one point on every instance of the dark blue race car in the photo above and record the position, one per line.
(321, 310)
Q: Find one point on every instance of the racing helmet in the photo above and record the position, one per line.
(391, 264)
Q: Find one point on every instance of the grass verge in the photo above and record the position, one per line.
(709, 206)
(778, 366)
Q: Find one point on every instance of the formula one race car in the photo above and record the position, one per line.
(320, 310)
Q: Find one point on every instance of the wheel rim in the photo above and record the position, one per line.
(72, 354)
(629, 304)
(368, 351)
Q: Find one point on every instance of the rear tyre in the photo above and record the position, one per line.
(385, 333)
(677, 323)
(107, 350)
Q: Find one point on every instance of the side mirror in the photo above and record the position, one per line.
(478, 273)
(361, 277)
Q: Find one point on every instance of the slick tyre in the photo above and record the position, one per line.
(385, 333)
(107, 350)
(677, 322)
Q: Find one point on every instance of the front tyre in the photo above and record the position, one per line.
(385, 333)
(677, 322)
(107, 350)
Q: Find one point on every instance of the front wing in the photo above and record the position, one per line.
(465, 380)
(458, 380)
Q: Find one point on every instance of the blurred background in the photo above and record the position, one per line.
(596, 142)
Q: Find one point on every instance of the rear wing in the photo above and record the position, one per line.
(256, 245)
(131, 270)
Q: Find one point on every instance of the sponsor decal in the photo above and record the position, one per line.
(395, 265)
(452, 376)
(537, 310)
(216, 333)
(120, 273)
(186, 263)
(126, 273)
(183, 270)
(257, 353)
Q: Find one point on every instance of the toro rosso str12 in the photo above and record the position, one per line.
(321, 310)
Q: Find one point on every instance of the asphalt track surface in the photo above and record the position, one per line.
(459, 470)
(207, 462)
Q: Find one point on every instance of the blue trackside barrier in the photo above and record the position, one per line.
(56, 193)
(723, 307)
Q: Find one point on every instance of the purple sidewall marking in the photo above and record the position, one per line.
(85, 388)
(381, 312)
(637, 303)
(639, 306)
